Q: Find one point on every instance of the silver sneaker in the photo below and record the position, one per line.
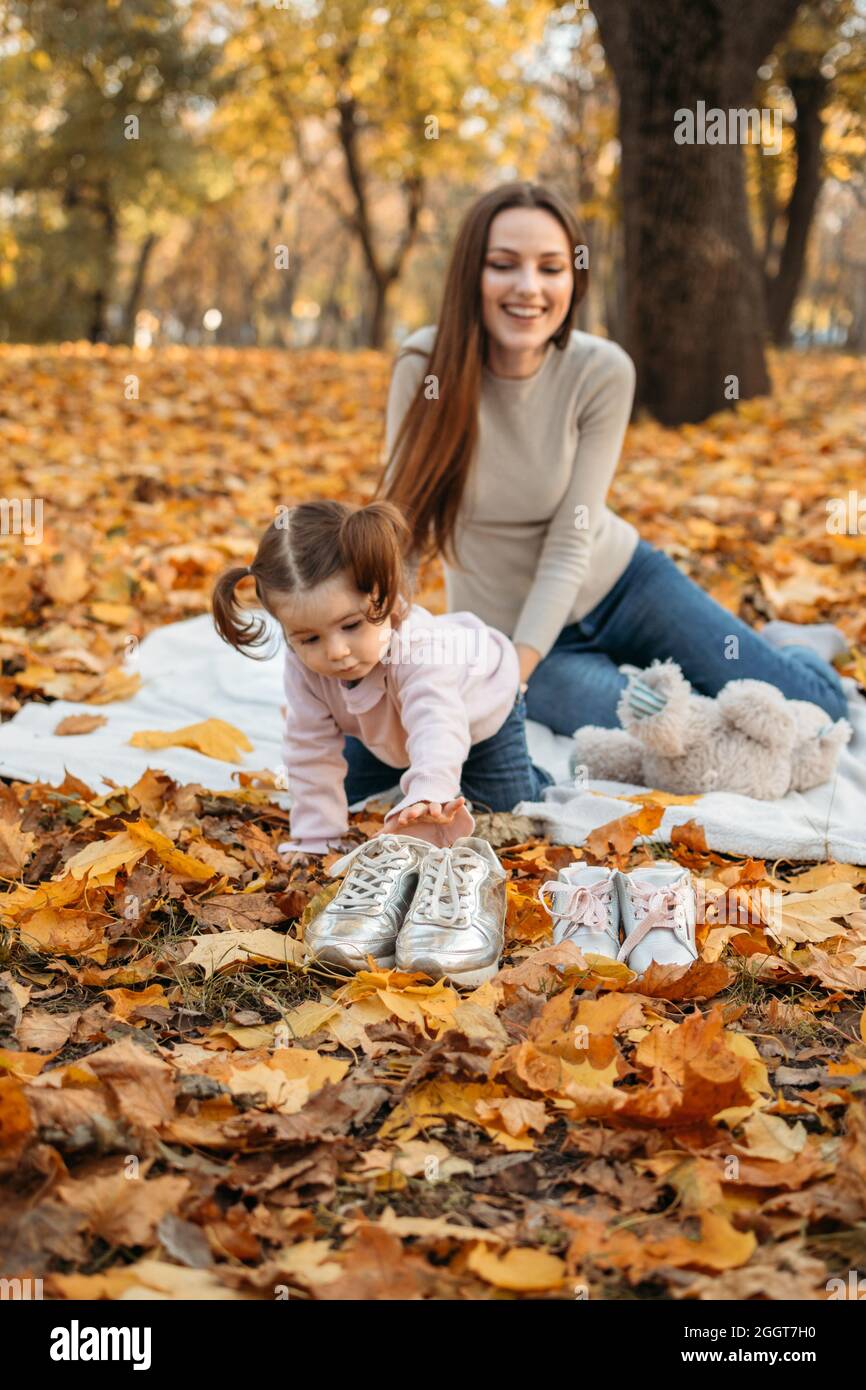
(585, 908)
(455, 926)
(364, 917)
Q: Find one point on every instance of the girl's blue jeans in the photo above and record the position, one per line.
(655, 611)
(496, 775)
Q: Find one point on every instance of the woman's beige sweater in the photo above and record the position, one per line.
(538, 545)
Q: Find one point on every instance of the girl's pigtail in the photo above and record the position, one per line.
(374, 540)
(236, 625)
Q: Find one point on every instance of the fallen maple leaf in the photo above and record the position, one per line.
(519, 1269)
(214, 737)
(228, 949)
(617, 837)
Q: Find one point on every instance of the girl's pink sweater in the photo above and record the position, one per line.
(448, 682)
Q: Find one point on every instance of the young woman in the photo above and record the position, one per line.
(504, 429)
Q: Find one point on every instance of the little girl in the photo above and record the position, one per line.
(379, 689)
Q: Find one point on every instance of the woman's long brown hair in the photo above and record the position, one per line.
(433, 449)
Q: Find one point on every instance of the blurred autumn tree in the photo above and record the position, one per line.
(422, 90)
(822, 64)
(302, 165)
(695, 312)
(97, 142)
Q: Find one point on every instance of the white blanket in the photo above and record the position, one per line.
(188, 675)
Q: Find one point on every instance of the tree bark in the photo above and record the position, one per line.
(694, 312)
(810, 96)
(382, 274)
(133, 299)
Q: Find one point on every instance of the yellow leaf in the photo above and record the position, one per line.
(519, 1269)
(114, 614)
(99, 861)
(213, 737)
(184, 865)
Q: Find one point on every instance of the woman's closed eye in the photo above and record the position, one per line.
(545, 269)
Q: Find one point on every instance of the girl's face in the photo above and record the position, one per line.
(526, 284)
(329, 629)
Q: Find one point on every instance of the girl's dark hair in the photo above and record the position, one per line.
(433, 448)
(304, 546)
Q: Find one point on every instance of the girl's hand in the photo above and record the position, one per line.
(428, 811)
(296, 859)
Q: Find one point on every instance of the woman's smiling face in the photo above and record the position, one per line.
(526, 285)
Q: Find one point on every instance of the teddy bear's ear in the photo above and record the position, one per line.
(759, 711)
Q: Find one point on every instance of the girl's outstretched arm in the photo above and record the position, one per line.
(312, 748)
(438, 739)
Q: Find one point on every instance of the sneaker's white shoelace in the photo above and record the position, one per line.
(584, 905)
(446, 881)
(659, 907)
(368, 869)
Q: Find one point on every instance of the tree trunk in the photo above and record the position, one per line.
(810, 96)
(382, 273)
(133, 299)
(98, 330)
(694, 313)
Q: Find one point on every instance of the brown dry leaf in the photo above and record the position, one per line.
(719, 1247)
(525, 917)
(65, 931)
(238, 911)
(657, 798)
(16, 1121)
(228, 949)
(148, 1278)
(819, 876)
(691, 836)
(808, 916)
(700, 980)
(79, 724)
(441, 1099)
(377, 1266)
(16, 847)
(214, 737)
(435, 1228)
(770, 1136)
(617, 837)
(126, 1003)
(124, 1211)
(836, 972)
(141, 1084)
(514, 1115)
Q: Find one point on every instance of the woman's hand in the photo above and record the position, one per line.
(529, 659)
(436, 811)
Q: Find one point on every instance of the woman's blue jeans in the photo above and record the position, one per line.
(655, 611)
(496, 775)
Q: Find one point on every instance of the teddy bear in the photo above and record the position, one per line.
(748, 739)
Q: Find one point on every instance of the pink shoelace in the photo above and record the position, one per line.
(659, 906)
(585, 906)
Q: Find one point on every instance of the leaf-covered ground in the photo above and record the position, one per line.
(185, 1109)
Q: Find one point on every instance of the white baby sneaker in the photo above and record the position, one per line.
(365, 915)
(657, 910)
(585, 908)
(455, 927)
